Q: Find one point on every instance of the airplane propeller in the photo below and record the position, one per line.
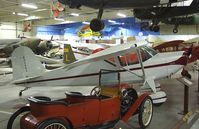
(190, 50)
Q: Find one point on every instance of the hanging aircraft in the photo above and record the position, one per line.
(96, 24)
(175, 14)
(136, 64)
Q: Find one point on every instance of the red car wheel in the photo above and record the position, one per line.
(145, 112)
(53, 124)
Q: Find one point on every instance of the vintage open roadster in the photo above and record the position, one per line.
(103, 108)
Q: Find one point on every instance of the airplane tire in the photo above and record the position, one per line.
(175, 30)
(14, 116)
(145, 113)
(157, 104)
(96, 25)
(53, 124)
(156, 28)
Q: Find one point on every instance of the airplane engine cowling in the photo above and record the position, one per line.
(43, 47)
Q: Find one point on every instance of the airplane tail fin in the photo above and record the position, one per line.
(25, 64)
(69, 56)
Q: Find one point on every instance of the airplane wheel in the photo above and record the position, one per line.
(145, 112)
(53, 124)
(96, 25)
(157, 104)
(175, 30)
(156, 28)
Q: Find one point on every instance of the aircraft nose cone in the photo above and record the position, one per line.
(49, 45)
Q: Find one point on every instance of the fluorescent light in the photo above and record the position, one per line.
(14, 13)
(111, 21)
(74, 14)
(31, 6)
(87, 23)
(59, 19)
(32, 17)
(65, 22)
(182, 3)
(22, 14)
(121, 14)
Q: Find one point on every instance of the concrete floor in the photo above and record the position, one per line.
(166, 116)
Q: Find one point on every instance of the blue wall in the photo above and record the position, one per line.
(125, 26)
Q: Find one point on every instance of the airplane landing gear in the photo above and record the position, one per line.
(159, 97)
(175, 29)
(21, 91)
(97, 24)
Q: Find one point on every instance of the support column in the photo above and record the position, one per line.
(198, 80)
(186, 99)
(16, 29)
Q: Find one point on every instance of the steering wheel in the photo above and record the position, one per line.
(96, 91)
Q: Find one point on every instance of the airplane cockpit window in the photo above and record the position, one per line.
(128, 59)
(132, 58)
(151, 51)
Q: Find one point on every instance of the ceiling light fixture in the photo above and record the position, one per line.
(121, 14)
(86, 23)
(32, 18)
(31, 6)
(66, 22)
(111, 21)
(22, 14)
(59, 19)
(74, 14)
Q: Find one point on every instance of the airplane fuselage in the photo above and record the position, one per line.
(160, 66)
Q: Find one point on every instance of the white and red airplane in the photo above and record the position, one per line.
(136, 64)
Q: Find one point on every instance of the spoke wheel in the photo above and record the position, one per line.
(145, 112)
(53, 124)
(96, 91)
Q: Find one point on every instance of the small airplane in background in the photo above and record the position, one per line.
(96, 24)
(190, 46)
(38, 46)
(136, 64)
(81, 50)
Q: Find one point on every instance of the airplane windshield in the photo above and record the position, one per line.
(150, 51)
(131, 57)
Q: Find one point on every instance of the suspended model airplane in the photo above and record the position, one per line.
(97, 24)
(136, 64)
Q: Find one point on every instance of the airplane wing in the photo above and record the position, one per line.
(48, 60)
(193, 40)
(108, 53)
(7, 42)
